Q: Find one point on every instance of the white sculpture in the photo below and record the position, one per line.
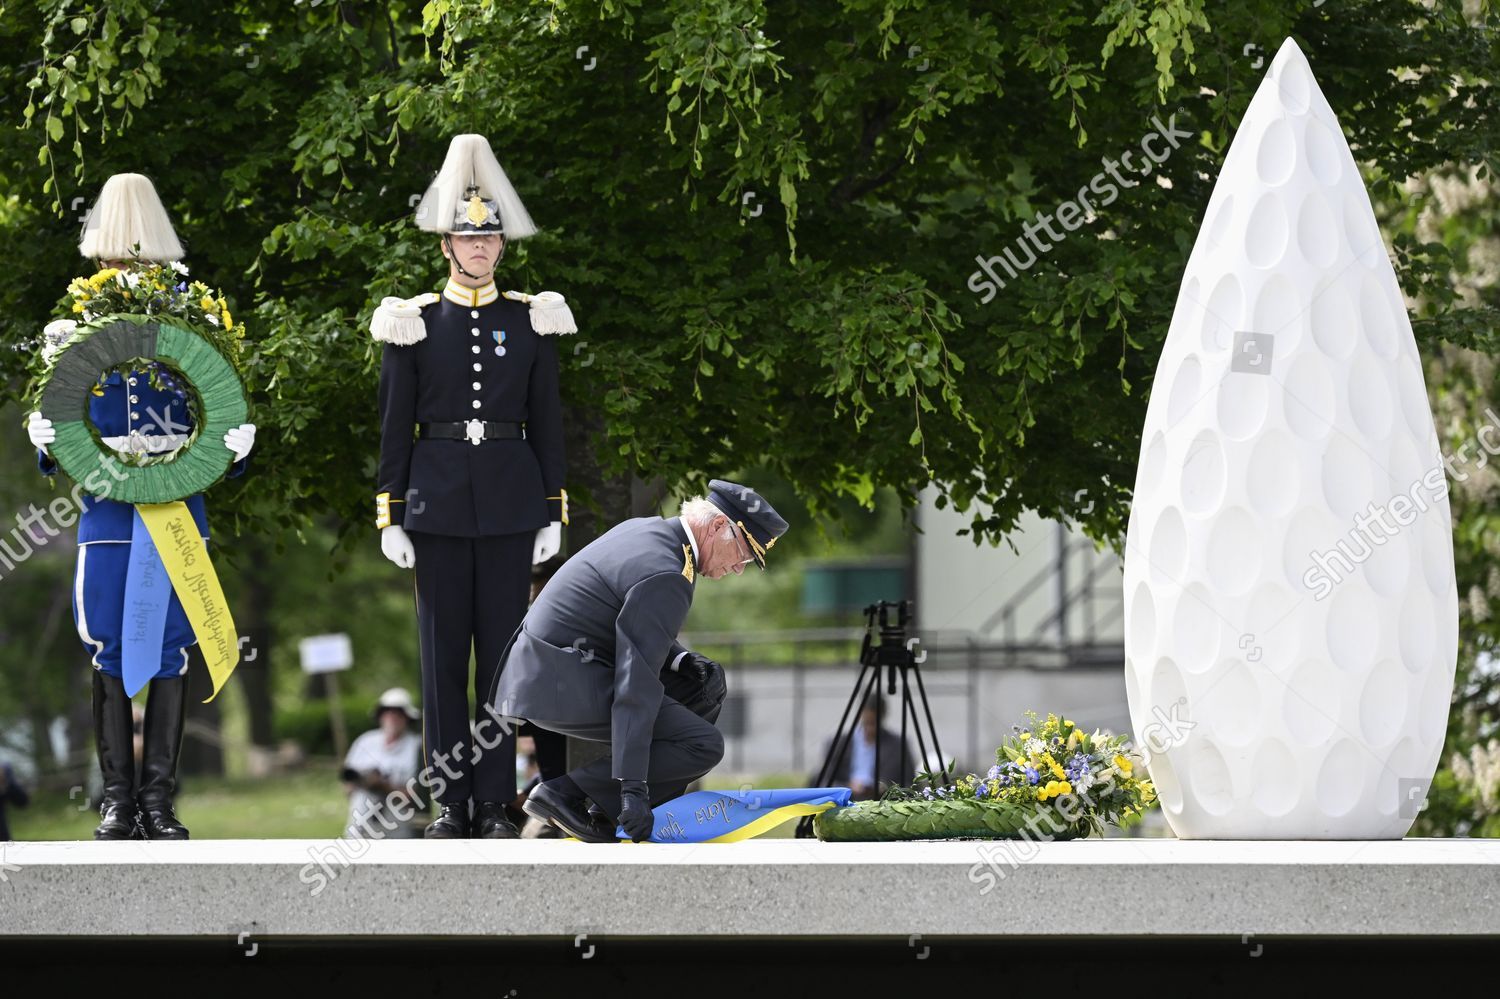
(1291, 612)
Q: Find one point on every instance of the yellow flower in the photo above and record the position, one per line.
(159, 286)
(1123, 763)
(1075, 739)
(228, 322)
(207, 304)
(77, 306)
(1052, 765)
(1064, 787)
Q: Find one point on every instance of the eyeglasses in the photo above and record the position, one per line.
(740, 543)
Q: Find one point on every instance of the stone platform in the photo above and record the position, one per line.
(786, 889)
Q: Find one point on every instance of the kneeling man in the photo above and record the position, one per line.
(588, 659)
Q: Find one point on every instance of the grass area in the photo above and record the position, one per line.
(309, 804)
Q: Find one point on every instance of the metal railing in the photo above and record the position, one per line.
(952, 667)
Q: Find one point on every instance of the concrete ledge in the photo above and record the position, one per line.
(761, 888)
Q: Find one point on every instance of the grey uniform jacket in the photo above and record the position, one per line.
(592, 646)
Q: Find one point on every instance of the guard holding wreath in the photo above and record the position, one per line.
(471, 474)
(137, 412)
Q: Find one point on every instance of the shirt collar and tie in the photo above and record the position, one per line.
(470, 298)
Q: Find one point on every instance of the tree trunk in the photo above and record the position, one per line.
(611, 499)
(254, 671)
(202, 741)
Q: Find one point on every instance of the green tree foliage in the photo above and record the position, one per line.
(766, 216)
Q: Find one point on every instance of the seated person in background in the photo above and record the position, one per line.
(855, 767)
(378, 769)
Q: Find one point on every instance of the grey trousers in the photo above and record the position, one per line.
(684, 747)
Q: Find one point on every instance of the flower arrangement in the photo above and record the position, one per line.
(146, 318)
(157, 290)
(1051, 780)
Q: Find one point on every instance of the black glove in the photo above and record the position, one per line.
(698, 683)
(635, 810)
(715, 687)
(695, 667)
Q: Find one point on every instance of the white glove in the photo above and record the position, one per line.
(548, 541)
(54, 335)
(41, 431)
(240, 440)
(396, 546)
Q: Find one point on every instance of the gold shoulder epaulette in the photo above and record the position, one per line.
(687, 562)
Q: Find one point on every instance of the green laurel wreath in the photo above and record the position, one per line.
(120, 342)
(885, 821)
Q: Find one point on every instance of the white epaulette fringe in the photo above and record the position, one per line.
(549, 311)
(399, 320)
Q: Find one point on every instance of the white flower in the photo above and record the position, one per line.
(179, 267)
(211, 318)
(1035, 746)
(1084, 782)
(128, 278)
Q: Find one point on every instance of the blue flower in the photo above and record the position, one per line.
(995, 771)
(982, 791)
(1032, 777)
(927, 793)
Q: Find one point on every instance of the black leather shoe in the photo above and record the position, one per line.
(491, 822)
(570, 815)
(166, 710)
(114, 736)
(452, 822)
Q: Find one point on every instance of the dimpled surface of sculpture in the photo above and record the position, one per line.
(1291, 622)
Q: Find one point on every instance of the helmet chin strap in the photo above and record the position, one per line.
(453, 255)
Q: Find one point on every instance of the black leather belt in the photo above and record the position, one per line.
(472, 430)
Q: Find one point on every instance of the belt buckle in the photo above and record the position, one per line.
(475, 432)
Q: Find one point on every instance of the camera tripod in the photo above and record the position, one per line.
(891, 651)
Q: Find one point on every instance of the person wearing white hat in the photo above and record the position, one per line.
(471, 469)
(380, 772)
(133, 410)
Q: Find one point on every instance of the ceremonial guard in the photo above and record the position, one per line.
(471, 472)
(140, 411)
(590, 657)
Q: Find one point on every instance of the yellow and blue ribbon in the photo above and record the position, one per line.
(169, 555)
(731, 816)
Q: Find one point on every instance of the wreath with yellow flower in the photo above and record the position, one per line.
(1051, 781)
(161, 290)
(147, 318)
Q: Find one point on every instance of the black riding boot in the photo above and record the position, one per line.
(114, 737)
(166, 709)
